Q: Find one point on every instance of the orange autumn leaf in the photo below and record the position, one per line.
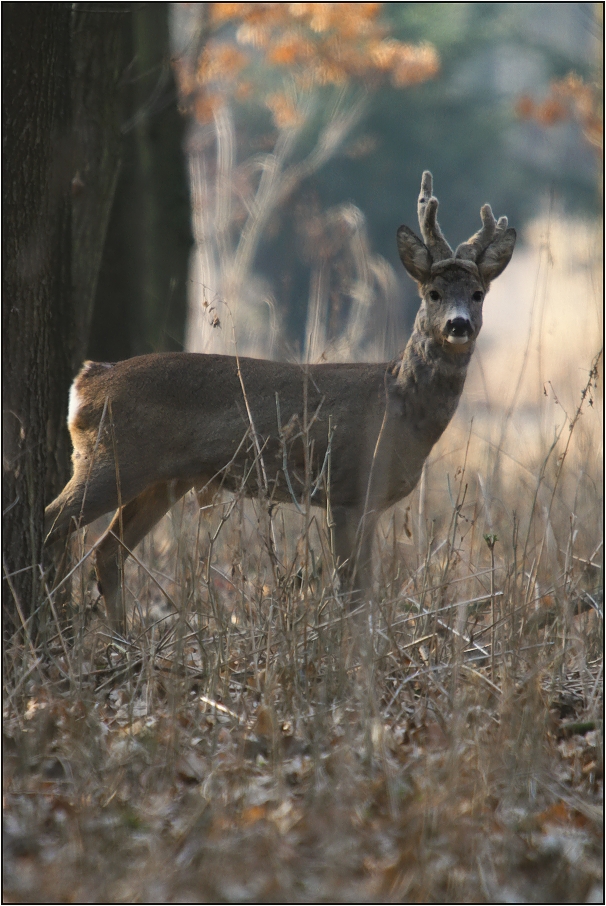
(284, 111)
(253, 814)
(570, 98)
(560, 813)
(291, 49)
(206, 105)
(317, 44)
(220, 61)
(414, 64)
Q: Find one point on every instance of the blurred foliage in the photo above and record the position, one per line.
(461, 119)
(274, 92)
(313, 44)
(569, 98)
(463, 125)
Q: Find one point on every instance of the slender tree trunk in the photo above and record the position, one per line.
(140, 303)
(100, 72)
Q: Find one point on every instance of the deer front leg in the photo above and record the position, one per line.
(353, 534)
(137, 519)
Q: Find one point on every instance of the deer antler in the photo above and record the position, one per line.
(427, 210)
(479, 242)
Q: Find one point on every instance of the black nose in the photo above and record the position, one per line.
(459, 327)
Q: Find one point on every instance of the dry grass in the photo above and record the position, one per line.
(254, 741)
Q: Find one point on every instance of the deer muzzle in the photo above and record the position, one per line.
(459, 331)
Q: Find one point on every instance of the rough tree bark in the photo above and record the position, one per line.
(77, 78)
(37, 311)
(59, 66)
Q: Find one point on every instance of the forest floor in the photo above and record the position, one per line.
(259, 748)
(256, 738)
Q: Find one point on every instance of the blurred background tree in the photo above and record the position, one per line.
(465, 68)
(275, 92)
(140, 298)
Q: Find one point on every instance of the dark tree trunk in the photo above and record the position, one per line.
(37, 312)
(61, 146)
(65, 70)
(140, 303)
(99, 64)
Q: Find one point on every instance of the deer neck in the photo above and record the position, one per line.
(428, 384)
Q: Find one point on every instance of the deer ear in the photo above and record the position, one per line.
(495, 259)
(414, 254)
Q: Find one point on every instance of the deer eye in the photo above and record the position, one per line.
(477, 296)
(434, 296)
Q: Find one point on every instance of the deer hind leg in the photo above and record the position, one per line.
(89, 493)
(131, 524)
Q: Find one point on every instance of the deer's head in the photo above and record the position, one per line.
(453, 284)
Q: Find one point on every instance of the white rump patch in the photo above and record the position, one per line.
(75, 402)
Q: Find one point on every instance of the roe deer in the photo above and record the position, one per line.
(147, 430)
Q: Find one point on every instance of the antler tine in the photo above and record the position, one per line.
(502, 225)
(426, 193)
(427, 210)
(479, 242)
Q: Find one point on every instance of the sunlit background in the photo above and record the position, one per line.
(310, 126)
